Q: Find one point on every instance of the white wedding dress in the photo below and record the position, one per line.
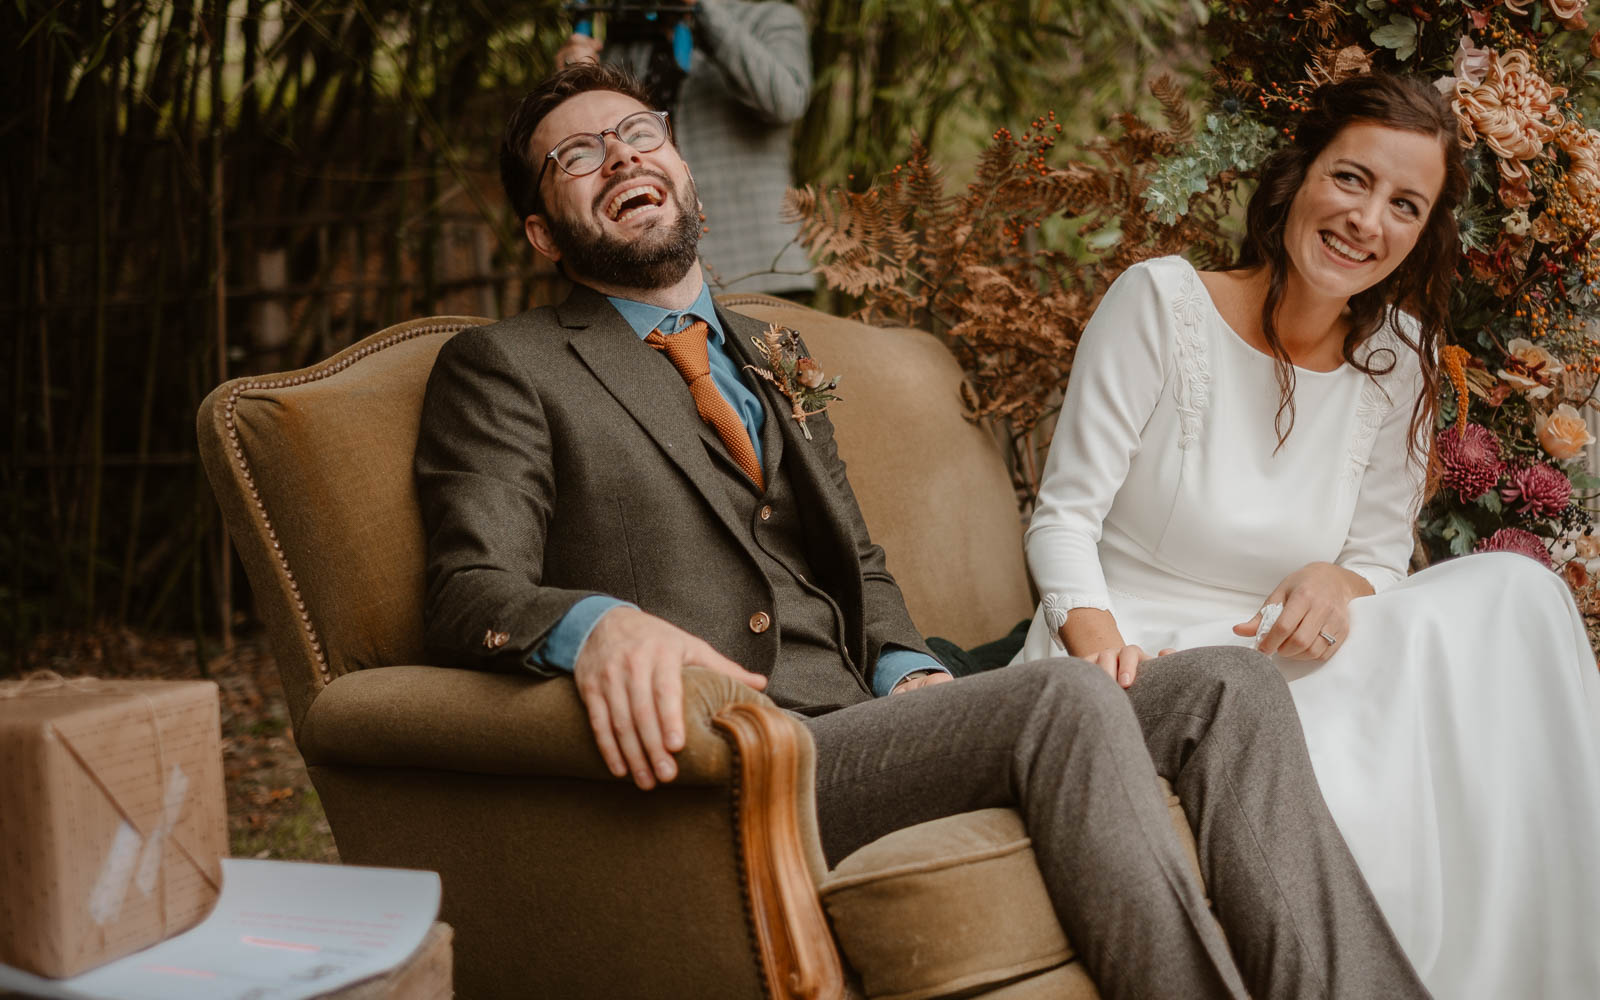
(1454, 733)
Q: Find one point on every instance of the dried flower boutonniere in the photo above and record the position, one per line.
(795, 374)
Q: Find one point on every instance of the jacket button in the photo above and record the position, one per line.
(494, 640)
(760, 621)
(766, 512)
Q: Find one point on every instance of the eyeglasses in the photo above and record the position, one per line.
(582, 153)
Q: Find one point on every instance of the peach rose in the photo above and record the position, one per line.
(1531, 368)
(1563, 433)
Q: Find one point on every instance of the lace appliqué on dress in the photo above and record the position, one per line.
(1192, 387)
(1056, 606)
(1370, 412)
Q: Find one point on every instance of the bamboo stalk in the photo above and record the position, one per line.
(146, 408)
(219, 30)
(97, 397)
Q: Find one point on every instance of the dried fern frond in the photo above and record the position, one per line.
(971, 266)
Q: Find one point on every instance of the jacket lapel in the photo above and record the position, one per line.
(740, 330)
(649, 388)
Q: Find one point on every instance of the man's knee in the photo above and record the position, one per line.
(1067, 680)
(1241, 678)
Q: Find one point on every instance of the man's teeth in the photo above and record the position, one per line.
(614, 208)
(1344, 249)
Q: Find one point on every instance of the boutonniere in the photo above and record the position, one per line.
(795, 374)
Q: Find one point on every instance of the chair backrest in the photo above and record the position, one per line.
(312, 470)
(932, 484)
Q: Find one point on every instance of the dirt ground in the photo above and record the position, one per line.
(273, 812)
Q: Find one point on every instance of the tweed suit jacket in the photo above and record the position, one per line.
(560, 456)
(749, 81)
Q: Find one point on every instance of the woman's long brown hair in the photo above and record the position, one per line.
(1422, 283)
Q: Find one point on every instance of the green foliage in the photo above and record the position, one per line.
(1228, 142)
(947, 73)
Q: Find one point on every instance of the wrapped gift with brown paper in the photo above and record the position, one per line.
(113, 820)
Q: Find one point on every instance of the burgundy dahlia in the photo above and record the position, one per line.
(1541, 489)
(1517, 540)
(1470, 459)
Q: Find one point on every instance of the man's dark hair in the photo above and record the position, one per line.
(518, 173)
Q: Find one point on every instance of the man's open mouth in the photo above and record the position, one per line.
(633, 199)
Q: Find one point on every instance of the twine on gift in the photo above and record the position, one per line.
(49, 682)
(41, 681)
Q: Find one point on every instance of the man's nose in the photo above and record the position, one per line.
(619, 154)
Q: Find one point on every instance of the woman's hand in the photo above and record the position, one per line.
(1121, 663)
(1316, 612)
(1091, 634)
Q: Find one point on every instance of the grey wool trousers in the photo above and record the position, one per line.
(1078, 756)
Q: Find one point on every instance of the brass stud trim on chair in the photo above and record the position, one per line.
(332, 366)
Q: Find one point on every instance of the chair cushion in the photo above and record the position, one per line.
(945, 907)
(956, 907)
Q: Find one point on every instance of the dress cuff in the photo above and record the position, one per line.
(1380, 578)
(1056, 606)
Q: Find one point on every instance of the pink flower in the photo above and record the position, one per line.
(1542, 490)
(1519, 541)
(1470, 458)
(1472, 63)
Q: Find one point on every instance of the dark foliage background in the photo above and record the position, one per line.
(200, 189)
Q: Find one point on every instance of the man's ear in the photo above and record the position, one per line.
(537, 231)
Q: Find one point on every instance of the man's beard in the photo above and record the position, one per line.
(597, 256)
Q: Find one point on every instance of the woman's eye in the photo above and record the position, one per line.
(1407, 207)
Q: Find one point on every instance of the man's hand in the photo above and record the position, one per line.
(576, 49)
(926, 680)
(630, 676)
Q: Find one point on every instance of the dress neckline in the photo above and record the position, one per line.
(1237, 338)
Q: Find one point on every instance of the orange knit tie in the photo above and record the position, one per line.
(686, 349)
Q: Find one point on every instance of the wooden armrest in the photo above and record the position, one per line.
(777, 824)
(463, 720)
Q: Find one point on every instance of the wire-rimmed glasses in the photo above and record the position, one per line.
(582, 153)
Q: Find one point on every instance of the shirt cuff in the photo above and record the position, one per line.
(894, 664)
(564, 644)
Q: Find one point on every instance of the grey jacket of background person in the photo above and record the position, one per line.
(748, 82)
(560, 457)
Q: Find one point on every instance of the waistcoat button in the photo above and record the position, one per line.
(760, 621)
(766, 512)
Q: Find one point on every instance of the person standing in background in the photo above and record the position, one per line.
(733, 111)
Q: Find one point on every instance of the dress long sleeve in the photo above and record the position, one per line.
(1118, 375)
(1380, 540)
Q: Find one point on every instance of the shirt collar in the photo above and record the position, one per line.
(644, 317)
